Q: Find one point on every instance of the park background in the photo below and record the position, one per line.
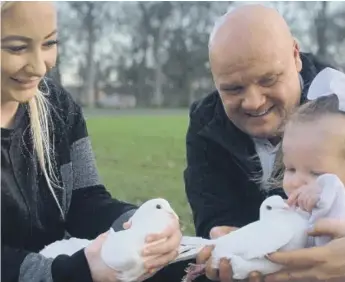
(135, 67)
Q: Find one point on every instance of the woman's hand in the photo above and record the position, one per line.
(100, 272)
(161, 249)
(318, 263)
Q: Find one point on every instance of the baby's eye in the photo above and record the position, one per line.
(290, 169)
(316, 174)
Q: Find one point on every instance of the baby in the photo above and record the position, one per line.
(313, 145)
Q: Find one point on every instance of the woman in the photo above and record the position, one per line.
(50, 185)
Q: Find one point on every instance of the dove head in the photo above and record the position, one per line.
(272, 205)
(155, 205)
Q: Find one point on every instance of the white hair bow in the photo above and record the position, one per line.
(327, 82)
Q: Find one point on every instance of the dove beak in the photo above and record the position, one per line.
(174, 214)
(286, 205)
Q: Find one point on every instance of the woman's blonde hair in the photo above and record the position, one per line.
(40, 133)
(309, 112)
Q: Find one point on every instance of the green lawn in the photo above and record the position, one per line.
(142, 157)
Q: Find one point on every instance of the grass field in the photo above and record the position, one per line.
(143, 156)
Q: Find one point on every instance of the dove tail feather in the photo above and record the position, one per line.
(195, 241)
(190, 247)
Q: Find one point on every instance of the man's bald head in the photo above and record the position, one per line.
(243, 29)
(255, 64)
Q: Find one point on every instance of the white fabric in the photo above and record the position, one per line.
(331, 204)
(267, 154)
(327, 82)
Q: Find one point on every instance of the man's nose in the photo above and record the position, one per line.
(253, 99)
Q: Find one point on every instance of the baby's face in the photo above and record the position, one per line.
(313, 148)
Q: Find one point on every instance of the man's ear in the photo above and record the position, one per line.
(296, 55)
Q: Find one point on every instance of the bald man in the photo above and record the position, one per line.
(260, 77)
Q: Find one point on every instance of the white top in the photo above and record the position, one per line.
(267, 154)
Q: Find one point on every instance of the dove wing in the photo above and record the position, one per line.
(256, 239)
(66, 247)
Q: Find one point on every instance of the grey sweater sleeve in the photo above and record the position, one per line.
(24, 266)
(92, 209)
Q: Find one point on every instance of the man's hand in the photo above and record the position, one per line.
(224, 273)
(219, 231)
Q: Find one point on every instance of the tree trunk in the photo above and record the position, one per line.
(89, 82)
(321, 29)
(158, 97)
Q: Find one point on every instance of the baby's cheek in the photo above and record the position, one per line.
(287, 187)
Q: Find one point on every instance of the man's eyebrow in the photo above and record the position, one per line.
(270, 74)
(229, 85)
(23, 38)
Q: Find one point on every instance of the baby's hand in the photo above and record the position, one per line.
(305, 197)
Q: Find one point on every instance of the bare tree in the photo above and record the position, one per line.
(158, 51)
(321, 24)
(94, 17)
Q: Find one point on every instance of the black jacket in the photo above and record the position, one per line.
(30, 218)
(219, 169)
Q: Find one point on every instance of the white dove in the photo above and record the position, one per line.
(280, 228)
(122, 250)
(72, 245)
